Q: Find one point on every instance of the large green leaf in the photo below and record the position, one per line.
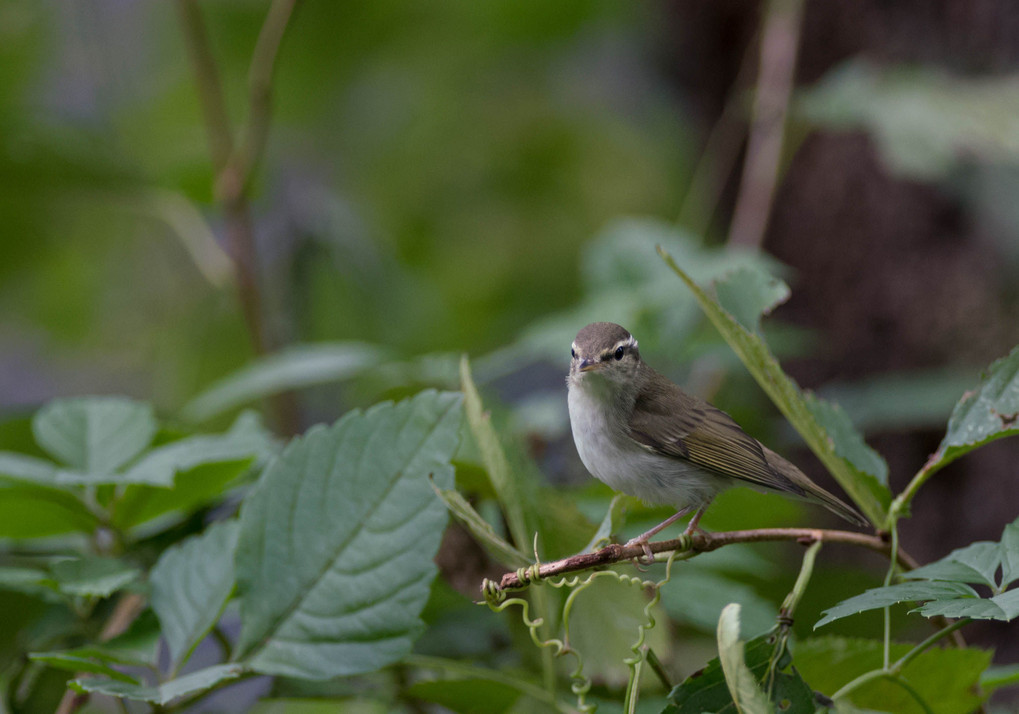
(947, 679)
(989, 412)
(976, 563)
(163, 694)
(94, 434)
(35, 512)
(22, 467)
(1010, 554)
(858, 469)
(334, 560)
(902, 592)
(293, 368)
(191, 583)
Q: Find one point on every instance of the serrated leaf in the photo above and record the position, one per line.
(858, 469)
(946, 678)
(191, 583)
(988, 413)
(977, 608)
(172, 691)
(83, 661)
(96, 435)
(334, 559)
(295, 367)
(481, 529)
(93, 576)
(36, 512)
(902, 592)
(746, 694)
(976, 563)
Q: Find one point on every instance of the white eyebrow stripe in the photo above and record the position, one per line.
(628, 342)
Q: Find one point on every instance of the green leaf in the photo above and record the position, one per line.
(947, 678)
(470, 685)
(33, 582)
(193, 488)
(191, 583)
(293, 705)
(977, 608)
(746, 694)
(295, 367)
(26, 468)
(90, 660)
(696, 596)
(334, 560)
(707, 691)
(857, 468)
(1010, 554)
(843, 452)
(604, 624)
(92, 576)
(481, 529)
(748, 294)
(37, 512)
(976, 563)
(1006, 675)
(613, 522)
(172, 691)
(892, 594)
(97, 435)
(925, 121)
(989, 412)
(510, 491)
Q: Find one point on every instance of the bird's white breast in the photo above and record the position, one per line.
(599, 430)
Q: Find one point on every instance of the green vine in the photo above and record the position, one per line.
(497, 600)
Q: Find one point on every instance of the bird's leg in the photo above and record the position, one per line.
(643, 538)
(692, 525)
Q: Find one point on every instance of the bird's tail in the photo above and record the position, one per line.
(812, 492)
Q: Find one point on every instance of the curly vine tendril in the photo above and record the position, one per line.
(497, 600)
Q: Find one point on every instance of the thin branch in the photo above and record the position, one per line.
(234, 164)
(692, 544)
(780, 39)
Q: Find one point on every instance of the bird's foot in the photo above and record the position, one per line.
(648, 556)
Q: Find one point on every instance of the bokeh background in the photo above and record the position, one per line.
(485, 178)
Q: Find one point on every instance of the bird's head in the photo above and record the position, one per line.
(607, 350)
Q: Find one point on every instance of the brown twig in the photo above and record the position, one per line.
(234, 161)
(779, 45)
(696, 543)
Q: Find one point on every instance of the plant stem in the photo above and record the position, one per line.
(894, 670)
(888, 610)
(690, 545)
(780, 39)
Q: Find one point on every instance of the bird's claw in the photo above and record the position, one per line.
(649, 557)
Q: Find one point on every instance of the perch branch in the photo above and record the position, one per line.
(692, 544)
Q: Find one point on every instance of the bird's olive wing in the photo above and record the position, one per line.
(671, 423)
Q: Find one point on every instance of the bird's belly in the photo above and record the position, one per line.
(626, 466)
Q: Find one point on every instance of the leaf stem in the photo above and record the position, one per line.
(888, 610)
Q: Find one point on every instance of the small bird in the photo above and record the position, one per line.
(641, 434)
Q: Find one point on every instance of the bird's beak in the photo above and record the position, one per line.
(587, 365)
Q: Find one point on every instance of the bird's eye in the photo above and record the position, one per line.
(619, 353)
(573, 354)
